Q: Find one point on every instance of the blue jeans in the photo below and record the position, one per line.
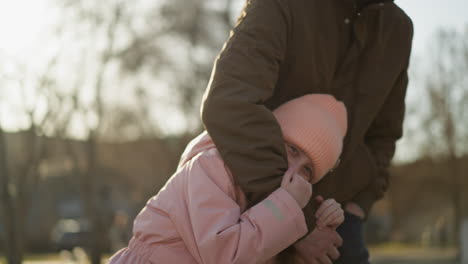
(354, 250)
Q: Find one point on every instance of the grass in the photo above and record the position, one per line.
(31, 258)
(396, 253)
(389, 253)
(35, 257)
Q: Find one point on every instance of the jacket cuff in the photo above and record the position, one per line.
(365, 200)
(281, 217)
(281, 222)
(291, 207)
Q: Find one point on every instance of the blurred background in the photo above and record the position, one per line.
(99, 98)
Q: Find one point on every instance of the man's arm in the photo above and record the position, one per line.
(244, 76)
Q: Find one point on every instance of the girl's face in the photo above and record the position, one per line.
(300, 163)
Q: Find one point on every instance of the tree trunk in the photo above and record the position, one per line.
(457, 181)
(457, 202)
(12, 239)
(89, 199)
(95, 206)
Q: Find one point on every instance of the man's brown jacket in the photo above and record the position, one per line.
(283, 49)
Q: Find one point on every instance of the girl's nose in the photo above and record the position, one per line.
(304, 160)
(295, 166)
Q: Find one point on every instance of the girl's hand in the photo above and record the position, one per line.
(297, 187)
(329, 214)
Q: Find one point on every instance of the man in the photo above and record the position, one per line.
(356, 50)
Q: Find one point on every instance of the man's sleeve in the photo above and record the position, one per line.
(243, 78)
(381, 138)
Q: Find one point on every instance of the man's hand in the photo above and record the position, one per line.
(355, 209)
(319, 247)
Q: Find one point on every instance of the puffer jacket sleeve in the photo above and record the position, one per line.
(243, 78)
(224, 234)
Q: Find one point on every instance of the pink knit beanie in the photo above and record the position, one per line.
(317, 124)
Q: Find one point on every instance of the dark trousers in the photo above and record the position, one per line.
(354, 250)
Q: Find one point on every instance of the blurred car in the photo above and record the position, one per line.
(70, 233)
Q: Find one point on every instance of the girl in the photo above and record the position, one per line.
(200, 215)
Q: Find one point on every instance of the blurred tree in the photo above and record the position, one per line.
(446, 123)
(113, 56)
(19, 165)
(172, 43)
(159, 45)
(202, 25)
(95, 196)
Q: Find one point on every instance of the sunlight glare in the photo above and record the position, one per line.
(21, 22)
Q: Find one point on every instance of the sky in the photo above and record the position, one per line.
(430, 15)
(23, 23)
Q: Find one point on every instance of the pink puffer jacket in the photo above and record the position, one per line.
(199, 217)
